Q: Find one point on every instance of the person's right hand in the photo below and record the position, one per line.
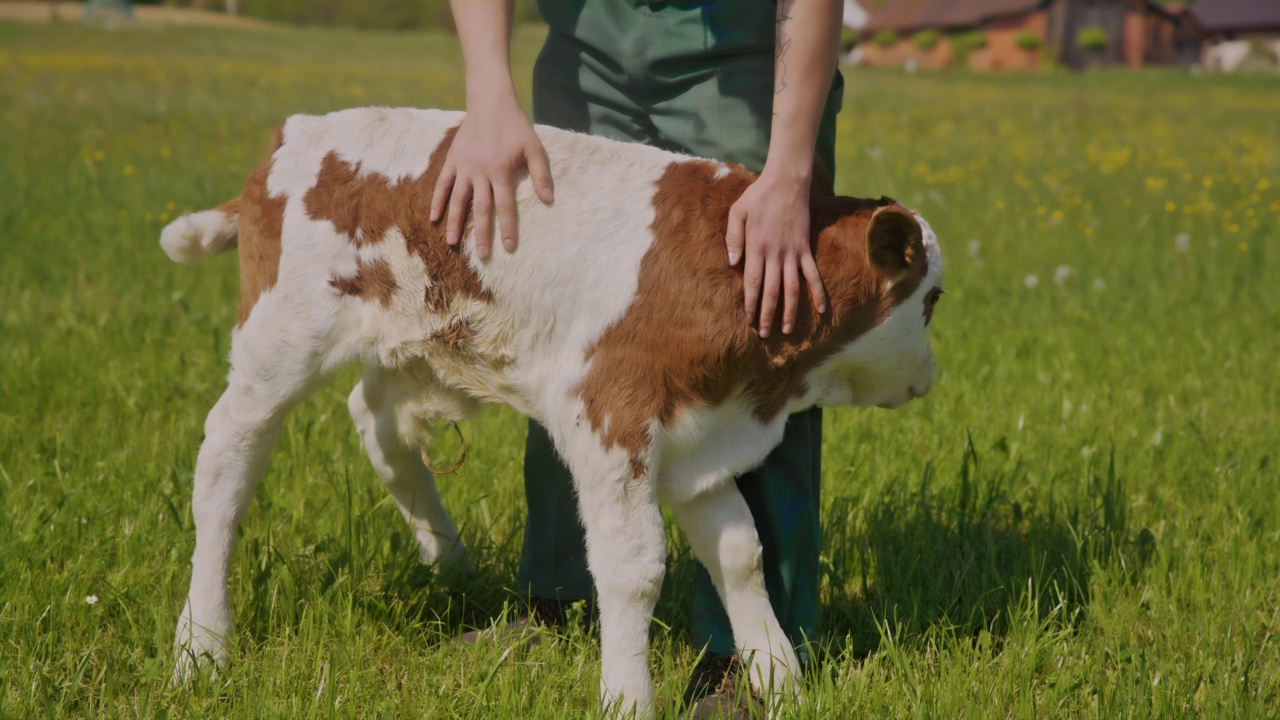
(492, 145)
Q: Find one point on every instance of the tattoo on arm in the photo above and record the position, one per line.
(782, 45)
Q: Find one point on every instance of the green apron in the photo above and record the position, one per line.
(697, 78)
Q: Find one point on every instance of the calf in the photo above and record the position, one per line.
(617, 325)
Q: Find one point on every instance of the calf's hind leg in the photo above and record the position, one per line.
(381, 406)
(269, 377)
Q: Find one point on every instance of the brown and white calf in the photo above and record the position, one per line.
(617, 324)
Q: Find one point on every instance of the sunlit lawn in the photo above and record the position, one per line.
(1080, 520)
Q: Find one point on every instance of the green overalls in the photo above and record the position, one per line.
(696, 78)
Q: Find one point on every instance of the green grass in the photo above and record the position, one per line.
(1080, 521)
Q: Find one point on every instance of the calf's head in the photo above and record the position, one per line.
(883, 270)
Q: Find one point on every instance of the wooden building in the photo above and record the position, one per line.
(1237, 34)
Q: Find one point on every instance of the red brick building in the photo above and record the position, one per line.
(1139, 32)
(998, 20)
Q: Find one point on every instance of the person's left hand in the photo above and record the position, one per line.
(771, 222)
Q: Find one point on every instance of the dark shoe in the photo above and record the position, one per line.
(541, 613)
(720, 688)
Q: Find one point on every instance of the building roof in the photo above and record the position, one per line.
(909, 15)
(1236, 15)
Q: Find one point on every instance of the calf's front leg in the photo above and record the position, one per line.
(626, 552)
(723, 535)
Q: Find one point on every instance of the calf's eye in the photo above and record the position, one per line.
(930, 301)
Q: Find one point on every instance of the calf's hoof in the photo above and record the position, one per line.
(446, 558)
(197, 649)
(188, 664)
(721, 689)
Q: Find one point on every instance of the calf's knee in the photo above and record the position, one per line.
(741, 556)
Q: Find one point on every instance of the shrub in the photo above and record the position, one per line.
(1028, 40)
(972, 40)
(1092, 38)
(885, 38)
(964, 44)
(925, 39)
(848, 39)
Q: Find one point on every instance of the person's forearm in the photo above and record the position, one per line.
(808, 43)
(484, 30)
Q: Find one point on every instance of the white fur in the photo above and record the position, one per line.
(706, 447)
(192, 238)
(575, 274)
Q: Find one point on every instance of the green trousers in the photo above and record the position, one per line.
(696, 78)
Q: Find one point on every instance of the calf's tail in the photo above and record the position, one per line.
(192, 238)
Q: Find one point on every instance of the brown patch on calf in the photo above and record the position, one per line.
(260, 223)
(358, 207)
(372, 281)
(230, 207)
(684, 341)
(365, 205)
(455, 336)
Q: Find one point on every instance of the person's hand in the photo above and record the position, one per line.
(493, 143)
(771, 222)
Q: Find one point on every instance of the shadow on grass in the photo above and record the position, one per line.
(961, 556)
(965, 557)
(387, 586)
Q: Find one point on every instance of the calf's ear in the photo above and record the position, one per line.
(895, 242)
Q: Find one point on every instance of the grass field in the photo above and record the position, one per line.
(1082, 519)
